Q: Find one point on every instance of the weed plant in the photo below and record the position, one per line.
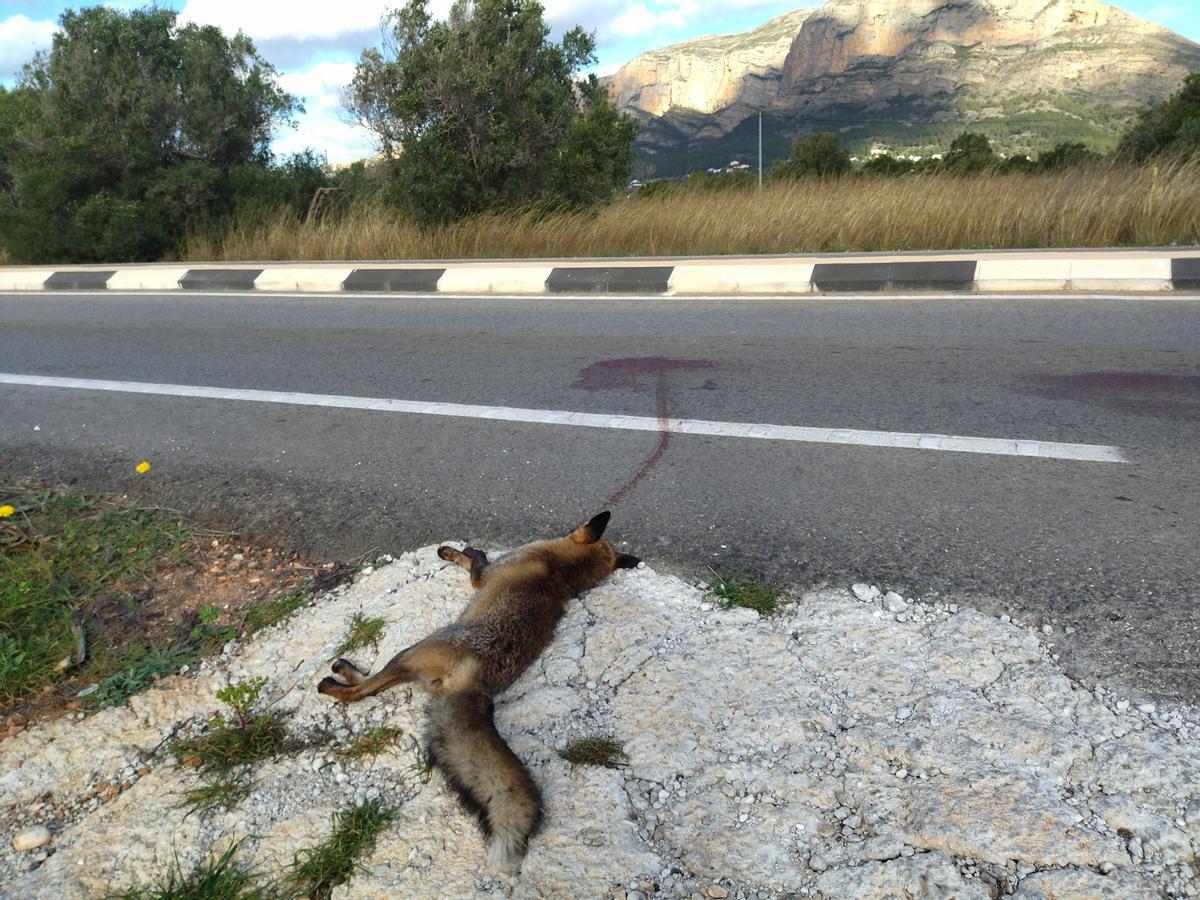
(318, 870)
(595, 751)
(742, 590)
(363, 631)
(230, 745)
(422, 765)
(142, 666)
(264, 615)
(223, 878)
(224, 793)
(372, 742)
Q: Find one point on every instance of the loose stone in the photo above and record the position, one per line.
(31, 839)
(865, 592)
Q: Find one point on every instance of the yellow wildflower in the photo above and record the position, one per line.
(6, 510)
(143, 467)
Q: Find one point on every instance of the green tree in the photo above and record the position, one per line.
(886, 164)
(816, 154)
(1169, 127)
(13, 108)
(128, 132)
(1017, 164)
(1065, 155)
(482, 111)
(970, 152)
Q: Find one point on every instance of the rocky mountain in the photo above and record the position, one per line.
(907, 75)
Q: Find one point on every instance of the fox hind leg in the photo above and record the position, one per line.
(357, 687)
(473, 560)
(432, 663)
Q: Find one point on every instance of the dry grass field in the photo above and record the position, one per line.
(1091, 206)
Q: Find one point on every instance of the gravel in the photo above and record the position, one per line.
(845, 747)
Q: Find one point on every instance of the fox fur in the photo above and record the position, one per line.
(509, 621)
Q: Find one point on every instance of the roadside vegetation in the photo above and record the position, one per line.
(60, 549)
(318, 870)
(314, 872)
(743, 591)
(372, 742)
(226, 750)
(101, 597)
(361, 632)
(219, 878)
(1146, 193)
(1100, 205)
(495, 144)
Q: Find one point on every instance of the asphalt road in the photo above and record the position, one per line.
(1107, 548)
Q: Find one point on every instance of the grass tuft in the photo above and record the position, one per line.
(142, 666)
(224, 793)
(741, 590)
(264, 615)
(317, 871)
(372, 742)
(595, 751)
(422, 765)
(363, 631)
(217, 879)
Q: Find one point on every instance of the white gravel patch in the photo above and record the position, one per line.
(858, 744)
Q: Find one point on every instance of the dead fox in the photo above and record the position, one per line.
(518, 601)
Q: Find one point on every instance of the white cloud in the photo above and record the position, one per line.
(20, 38)
(319, 87)
(320, 21)
(296, 19)
(325, 132)
(638, 19)
(323, 126)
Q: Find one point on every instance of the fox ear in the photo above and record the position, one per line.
(592, 530)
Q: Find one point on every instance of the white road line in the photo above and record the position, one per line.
(795, 433)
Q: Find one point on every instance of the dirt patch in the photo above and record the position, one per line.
(183, 607)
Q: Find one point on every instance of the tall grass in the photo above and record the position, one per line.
(1105, 205)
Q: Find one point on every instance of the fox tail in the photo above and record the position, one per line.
(490, 780)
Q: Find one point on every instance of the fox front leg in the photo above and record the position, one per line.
(473, 560)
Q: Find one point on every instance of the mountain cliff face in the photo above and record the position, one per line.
(904, 74)
(710, 73)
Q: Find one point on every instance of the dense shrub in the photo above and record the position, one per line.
(970, 152)
(489, 112)
(130, 130)
(1170, 127)
(815, 154)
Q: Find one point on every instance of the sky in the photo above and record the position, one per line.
(314, 43)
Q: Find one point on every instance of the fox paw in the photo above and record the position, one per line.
(329, 685)
(342, 665)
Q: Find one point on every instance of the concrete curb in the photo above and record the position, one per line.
(1140, 271)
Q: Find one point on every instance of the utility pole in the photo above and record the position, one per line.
(760, 149)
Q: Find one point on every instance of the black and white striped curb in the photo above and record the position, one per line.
(999, 273)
